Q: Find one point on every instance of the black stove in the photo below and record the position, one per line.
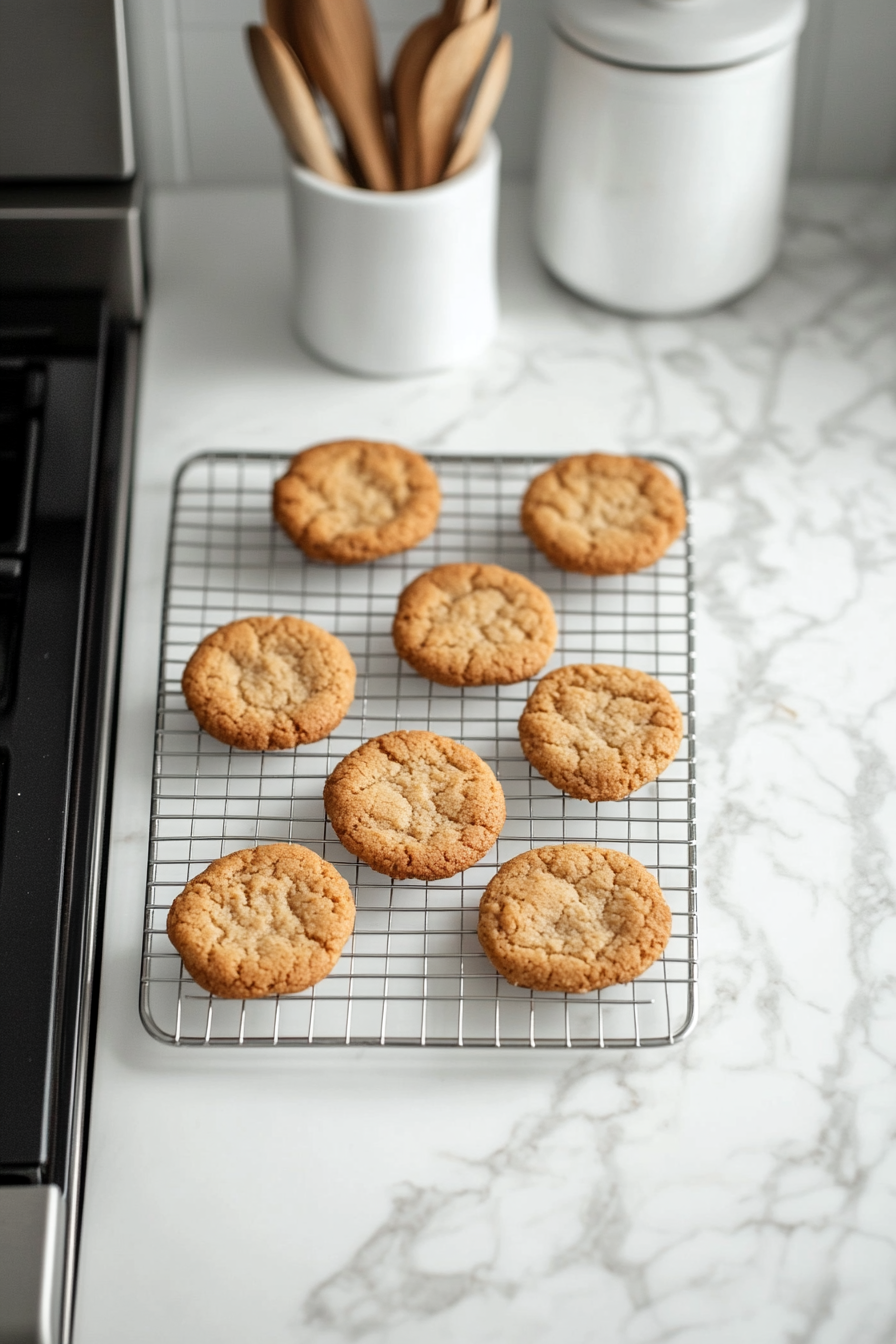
(67, 377)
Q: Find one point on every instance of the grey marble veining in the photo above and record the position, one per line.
(740, 1189)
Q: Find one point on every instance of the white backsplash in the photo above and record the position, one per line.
(200, 117)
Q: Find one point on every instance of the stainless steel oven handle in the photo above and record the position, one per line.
(114, 599)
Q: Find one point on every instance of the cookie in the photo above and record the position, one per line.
(601, 514)
(412, 804)
(271, 920)
(571, 918)
(352, 501)
(600, 732)
(474, 625)
(269, 682)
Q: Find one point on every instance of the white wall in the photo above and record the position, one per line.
(201, 120)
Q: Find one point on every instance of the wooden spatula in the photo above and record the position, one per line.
(292, 103)
(336, 43)
(446, 84)
(417, 51)
(484, 109)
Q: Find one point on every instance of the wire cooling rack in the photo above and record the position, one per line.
(413, 971)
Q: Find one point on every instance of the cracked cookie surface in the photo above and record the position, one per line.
(269, 683)
(356, 500)
(474, 625)
(600, 732)
(603, 514)
(573, 918)
(271, 920)
(413, 804)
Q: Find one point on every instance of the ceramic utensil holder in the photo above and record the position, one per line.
(396, 283)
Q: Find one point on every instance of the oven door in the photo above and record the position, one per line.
(67, 393)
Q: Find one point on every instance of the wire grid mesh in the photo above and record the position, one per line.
(413, 971)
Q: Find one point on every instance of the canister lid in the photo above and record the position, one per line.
(679, 34)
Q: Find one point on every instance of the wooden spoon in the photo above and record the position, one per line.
(293, 105)
(447, 82)
(416, 52)
(484, 109)
(336, 43)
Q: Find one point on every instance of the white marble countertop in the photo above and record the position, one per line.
(737, 1189)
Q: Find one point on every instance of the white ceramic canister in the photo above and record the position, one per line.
(394, 283)
(665, 145)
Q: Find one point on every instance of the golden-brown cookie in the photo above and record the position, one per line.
(269, 682)
(271, 920)
(413, 804)
(600, 732)
(602, 514)
(572, 918)
(353, 500)
(474, 625)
